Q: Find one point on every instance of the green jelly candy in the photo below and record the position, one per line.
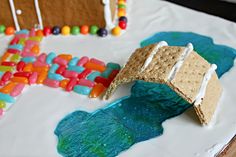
(2, 104)
(93, 30)
(6, 68)
(75, 30)
(2, 28)
(22, 41)
(15, 58)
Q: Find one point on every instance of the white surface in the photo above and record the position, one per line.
(27, 129)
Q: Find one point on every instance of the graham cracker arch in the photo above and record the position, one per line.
(156, 62)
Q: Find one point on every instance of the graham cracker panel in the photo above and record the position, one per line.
(206, 109)
(28, 18)
(6, 17)
(162, 63)
(189, 77)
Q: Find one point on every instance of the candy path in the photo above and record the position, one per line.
(23, 64)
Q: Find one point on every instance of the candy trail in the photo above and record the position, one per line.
(22, 64)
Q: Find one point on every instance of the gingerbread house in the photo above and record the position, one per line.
(26, 14)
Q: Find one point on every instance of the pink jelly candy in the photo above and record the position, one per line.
(33, 78)
(51, 83)
(70, 74)
(84, 82)
(96, 61)
(82, 61)
(17, 89)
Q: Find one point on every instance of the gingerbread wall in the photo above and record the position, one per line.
(56, 12)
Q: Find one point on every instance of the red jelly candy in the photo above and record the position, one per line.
(71, 84)
(14, 41)
(9, 63)
(113, 74)
(84, 73)
(22, 74)
(104, 81)
(6, 76)
(61, 70)
(20, 66)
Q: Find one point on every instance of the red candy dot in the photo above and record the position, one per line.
(47, 31)
(84, 29)
(122, 25)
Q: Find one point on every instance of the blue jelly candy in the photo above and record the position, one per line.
(93, 75)
(82, 90)
(54, 76)
(78, 69)
(7, 98)
(73, 61)
(53, 68)
(28, 59)
(50, 57)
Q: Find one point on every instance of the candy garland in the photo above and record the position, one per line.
(22, 64)
(84, 30)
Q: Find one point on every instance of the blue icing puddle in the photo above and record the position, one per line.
(132, 119)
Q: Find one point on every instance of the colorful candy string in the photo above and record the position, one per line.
(84, 29)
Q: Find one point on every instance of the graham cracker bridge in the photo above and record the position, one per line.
(181, 68)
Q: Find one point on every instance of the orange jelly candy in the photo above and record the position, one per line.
(40, 69)
(20, 80)
(5, 56)
(35, 49)
(67, 57)
(8, 88)
(97, 90)
(64, 83)
(28, 67)
(93, 66)
(42, 76)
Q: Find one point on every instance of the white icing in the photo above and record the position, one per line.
(180, 61)
(18, 12)
(11, 2)
(107, 14)
(38, 12)
(28, 128)
(152, 54)
(203, 86)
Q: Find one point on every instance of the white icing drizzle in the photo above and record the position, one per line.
(11, 2)
(154, 51)
(38, 12)
(107, 14)
(203, 87)
(180, 61)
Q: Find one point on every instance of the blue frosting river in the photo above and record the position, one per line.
(139, 117)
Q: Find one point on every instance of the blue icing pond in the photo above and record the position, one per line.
(138, 117)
